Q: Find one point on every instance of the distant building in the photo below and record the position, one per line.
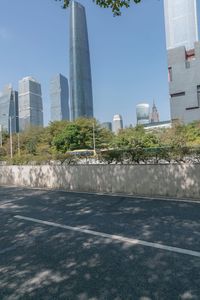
(154, 116)
(184, 83)
(9, 110)
(59, 96)
(107, 125)
(180, 23)
(158, 125)
(117, 123)
(30, 103)
(81, 100)
(142, 113)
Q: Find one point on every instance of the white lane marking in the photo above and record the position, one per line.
(113, 237)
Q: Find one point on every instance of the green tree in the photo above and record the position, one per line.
(114, 5)
(80, 134)
(68, 139)
(135, 137)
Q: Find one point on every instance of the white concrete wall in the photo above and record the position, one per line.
(180, 181)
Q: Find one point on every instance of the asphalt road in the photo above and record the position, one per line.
(60, 245)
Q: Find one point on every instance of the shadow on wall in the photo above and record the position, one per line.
(178, 180)
(50, 263)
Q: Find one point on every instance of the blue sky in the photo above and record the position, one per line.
(128, 53)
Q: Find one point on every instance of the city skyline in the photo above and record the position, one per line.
(121, 79)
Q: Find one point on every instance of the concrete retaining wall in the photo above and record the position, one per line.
(180, 181)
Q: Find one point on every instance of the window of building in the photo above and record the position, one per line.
(187, 64)
(170, 74)
(190, 55)
(178, 94)
(198, 95)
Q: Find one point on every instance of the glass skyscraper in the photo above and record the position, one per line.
(30, 103)
(142, 113)
(9, 110)
(81, 101)
(180, 23)
(59, 94)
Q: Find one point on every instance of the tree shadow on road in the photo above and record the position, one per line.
(43, 262)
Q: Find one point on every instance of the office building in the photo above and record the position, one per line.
(158, 125)
(142, 113)
(59, 96)
(180, 23)
(81, 101)
(184, 84)
(9, 110)
(154, 116)
(183, 59)
(30, 103)
(107, 125)
(117, 123)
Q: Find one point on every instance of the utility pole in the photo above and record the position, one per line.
(11, 144)
(1, 136)
(94, 141)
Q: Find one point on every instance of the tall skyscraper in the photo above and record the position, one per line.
(142, 113)
(117, 123)
(154, 116)
(9, 109)
(181, 23)
(59, 94)
(30, 103)
(81, 101)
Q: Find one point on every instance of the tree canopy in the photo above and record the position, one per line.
(114, 5)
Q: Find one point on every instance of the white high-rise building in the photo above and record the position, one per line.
(30, 103)
(117, 123)
(142, 113)
(180, 23)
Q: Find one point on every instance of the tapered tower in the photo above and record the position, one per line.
(81, 101)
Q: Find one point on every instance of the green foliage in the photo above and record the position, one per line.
(68, 139)
(132, 145)
(79, 135)
(135, 137)
(114, 5)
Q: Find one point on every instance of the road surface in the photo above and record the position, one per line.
(60, 245)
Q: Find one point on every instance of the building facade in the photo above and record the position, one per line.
(9, 110)
(184, 84)
(107, 125)
(158, 125)
(117, 123)
(183, 51)
(142, 113)
(59, 96)
(30, 103)
(81, 100)
(154, 116)
(180, 23)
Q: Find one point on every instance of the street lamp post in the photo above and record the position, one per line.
(94, 140)
(1, 136)
(11, 141)
(11, 144)
(18, 144)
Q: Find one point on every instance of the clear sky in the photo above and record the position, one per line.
(128, 53)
